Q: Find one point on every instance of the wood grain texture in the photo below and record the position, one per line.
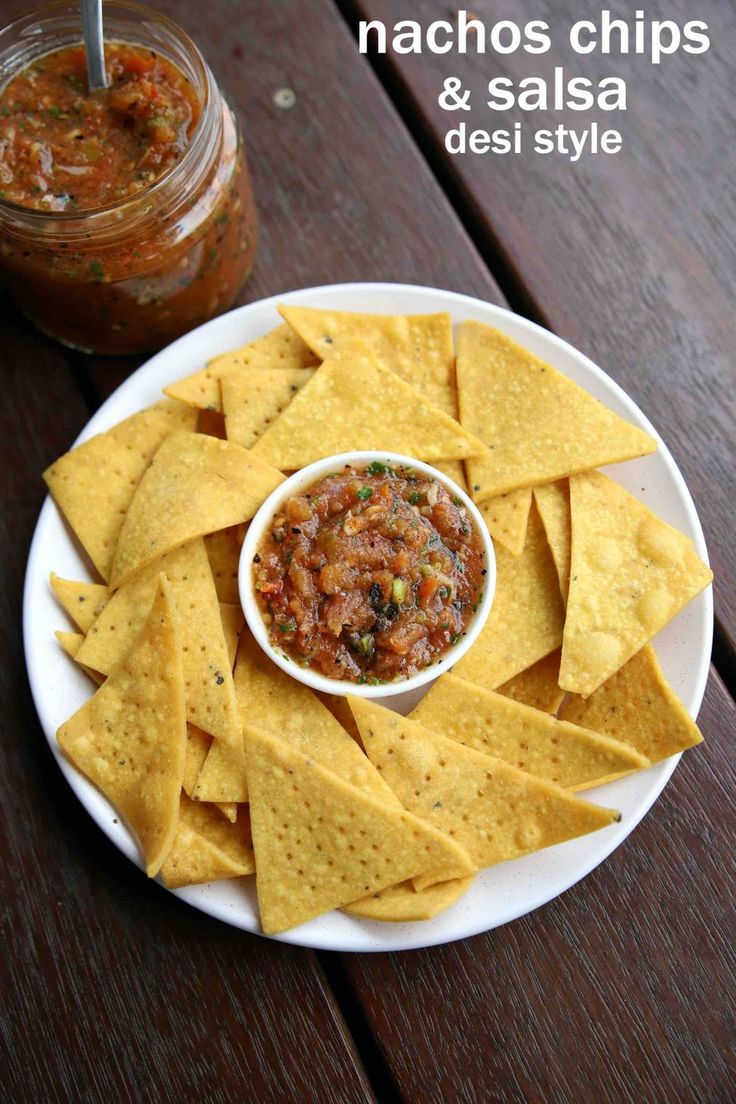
(629, 257)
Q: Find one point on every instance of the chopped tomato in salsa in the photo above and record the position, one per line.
(64, 148)
(371, 574)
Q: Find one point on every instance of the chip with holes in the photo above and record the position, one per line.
(93, 485)
(553, 503)
(320, 842)
(537, 685)
(82, 601)
(494, 810)
(209, 691)
(538, 424)
(252, 398)
(197, 748)
(279, 348)
(630, 574)
(527, 617)
(638, 705)
(129, 737)
(206, 848)
(194, 485)
(526, 738)
(403, 903)
(336, 412)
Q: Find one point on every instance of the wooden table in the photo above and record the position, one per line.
(620, 990)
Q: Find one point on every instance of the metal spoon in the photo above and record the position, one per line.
(94, 44)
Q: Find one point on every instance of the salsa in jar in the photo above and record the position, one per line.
(126, 214)
(371, 574)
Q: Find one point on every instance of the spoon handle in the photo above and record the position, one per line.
(94, 43)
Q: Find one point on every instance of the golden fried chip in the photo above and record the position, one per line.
(129, 737)
(197, 749)
(539, 425)
(71, 642)
(233, 623)
(525, 737)
(206, 848)
(223, 778)
(638, 705)
(93, 485)
(320, 842)
(553, 503)
(82, 601)
(526, 619)
(337, 411)
(630, 574)
(252, 398)
(223, 549)
(537, 685)
(279, 348)
(507, 516)
(210, 695)
(195, 485)
(495, 811)
(402, 903)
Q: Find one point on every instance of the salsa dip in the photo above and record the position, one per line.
(367, 569)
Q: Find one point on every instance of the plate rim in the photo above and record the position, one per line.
(79, 784)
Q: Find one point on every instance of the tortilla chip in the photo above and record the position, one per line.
(525, 737)
(71, 642)
(223, 549)
(507, 516)
(553, 503)
(526, 619)
(93, 485)
(279, 348)
(210, 695)
(82, 601)
(233, 623)
(495, 811)
(321, 843)
(354, 402)
(206, 848)
(418, 347)
(638, 705)
(539, 425)
(537, 686)
(252, 398)
(197, 749)
(195, 485)
(402, 904)
(129, 737)
(630, 574)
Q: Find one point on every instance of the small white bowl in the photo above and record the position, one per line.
(300, 481)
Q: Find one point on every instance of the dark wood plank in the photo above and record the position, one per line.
(628, 257)
(619, 991)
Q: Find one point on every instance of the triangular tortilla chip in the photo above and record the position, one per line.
(210, 695)
(507, 516)
(537, 685)
(223, 550)
(71, 642)
(82, 601)
(206, 848)
(358, 403)
(494, 810)
(526, 619)
(538, 424)
(279, 348)
(129, 737)
(197, 749)
(553, 503)
(223, 778)
(402, 903)
(418, 347)
(320, 842)
(195, 485)
(525, 737)
(93, 485)
(630, 574)
(252, 398)
(638, 705)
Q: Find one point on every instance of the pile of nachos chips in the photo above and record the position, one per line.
(224, 766)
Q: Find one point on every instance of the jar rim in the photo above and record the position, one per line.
(33, 216)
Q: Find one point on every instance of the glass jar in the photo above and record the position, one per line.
(130, 276)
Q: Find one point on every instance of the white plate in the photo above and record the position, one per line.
(499, 894)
